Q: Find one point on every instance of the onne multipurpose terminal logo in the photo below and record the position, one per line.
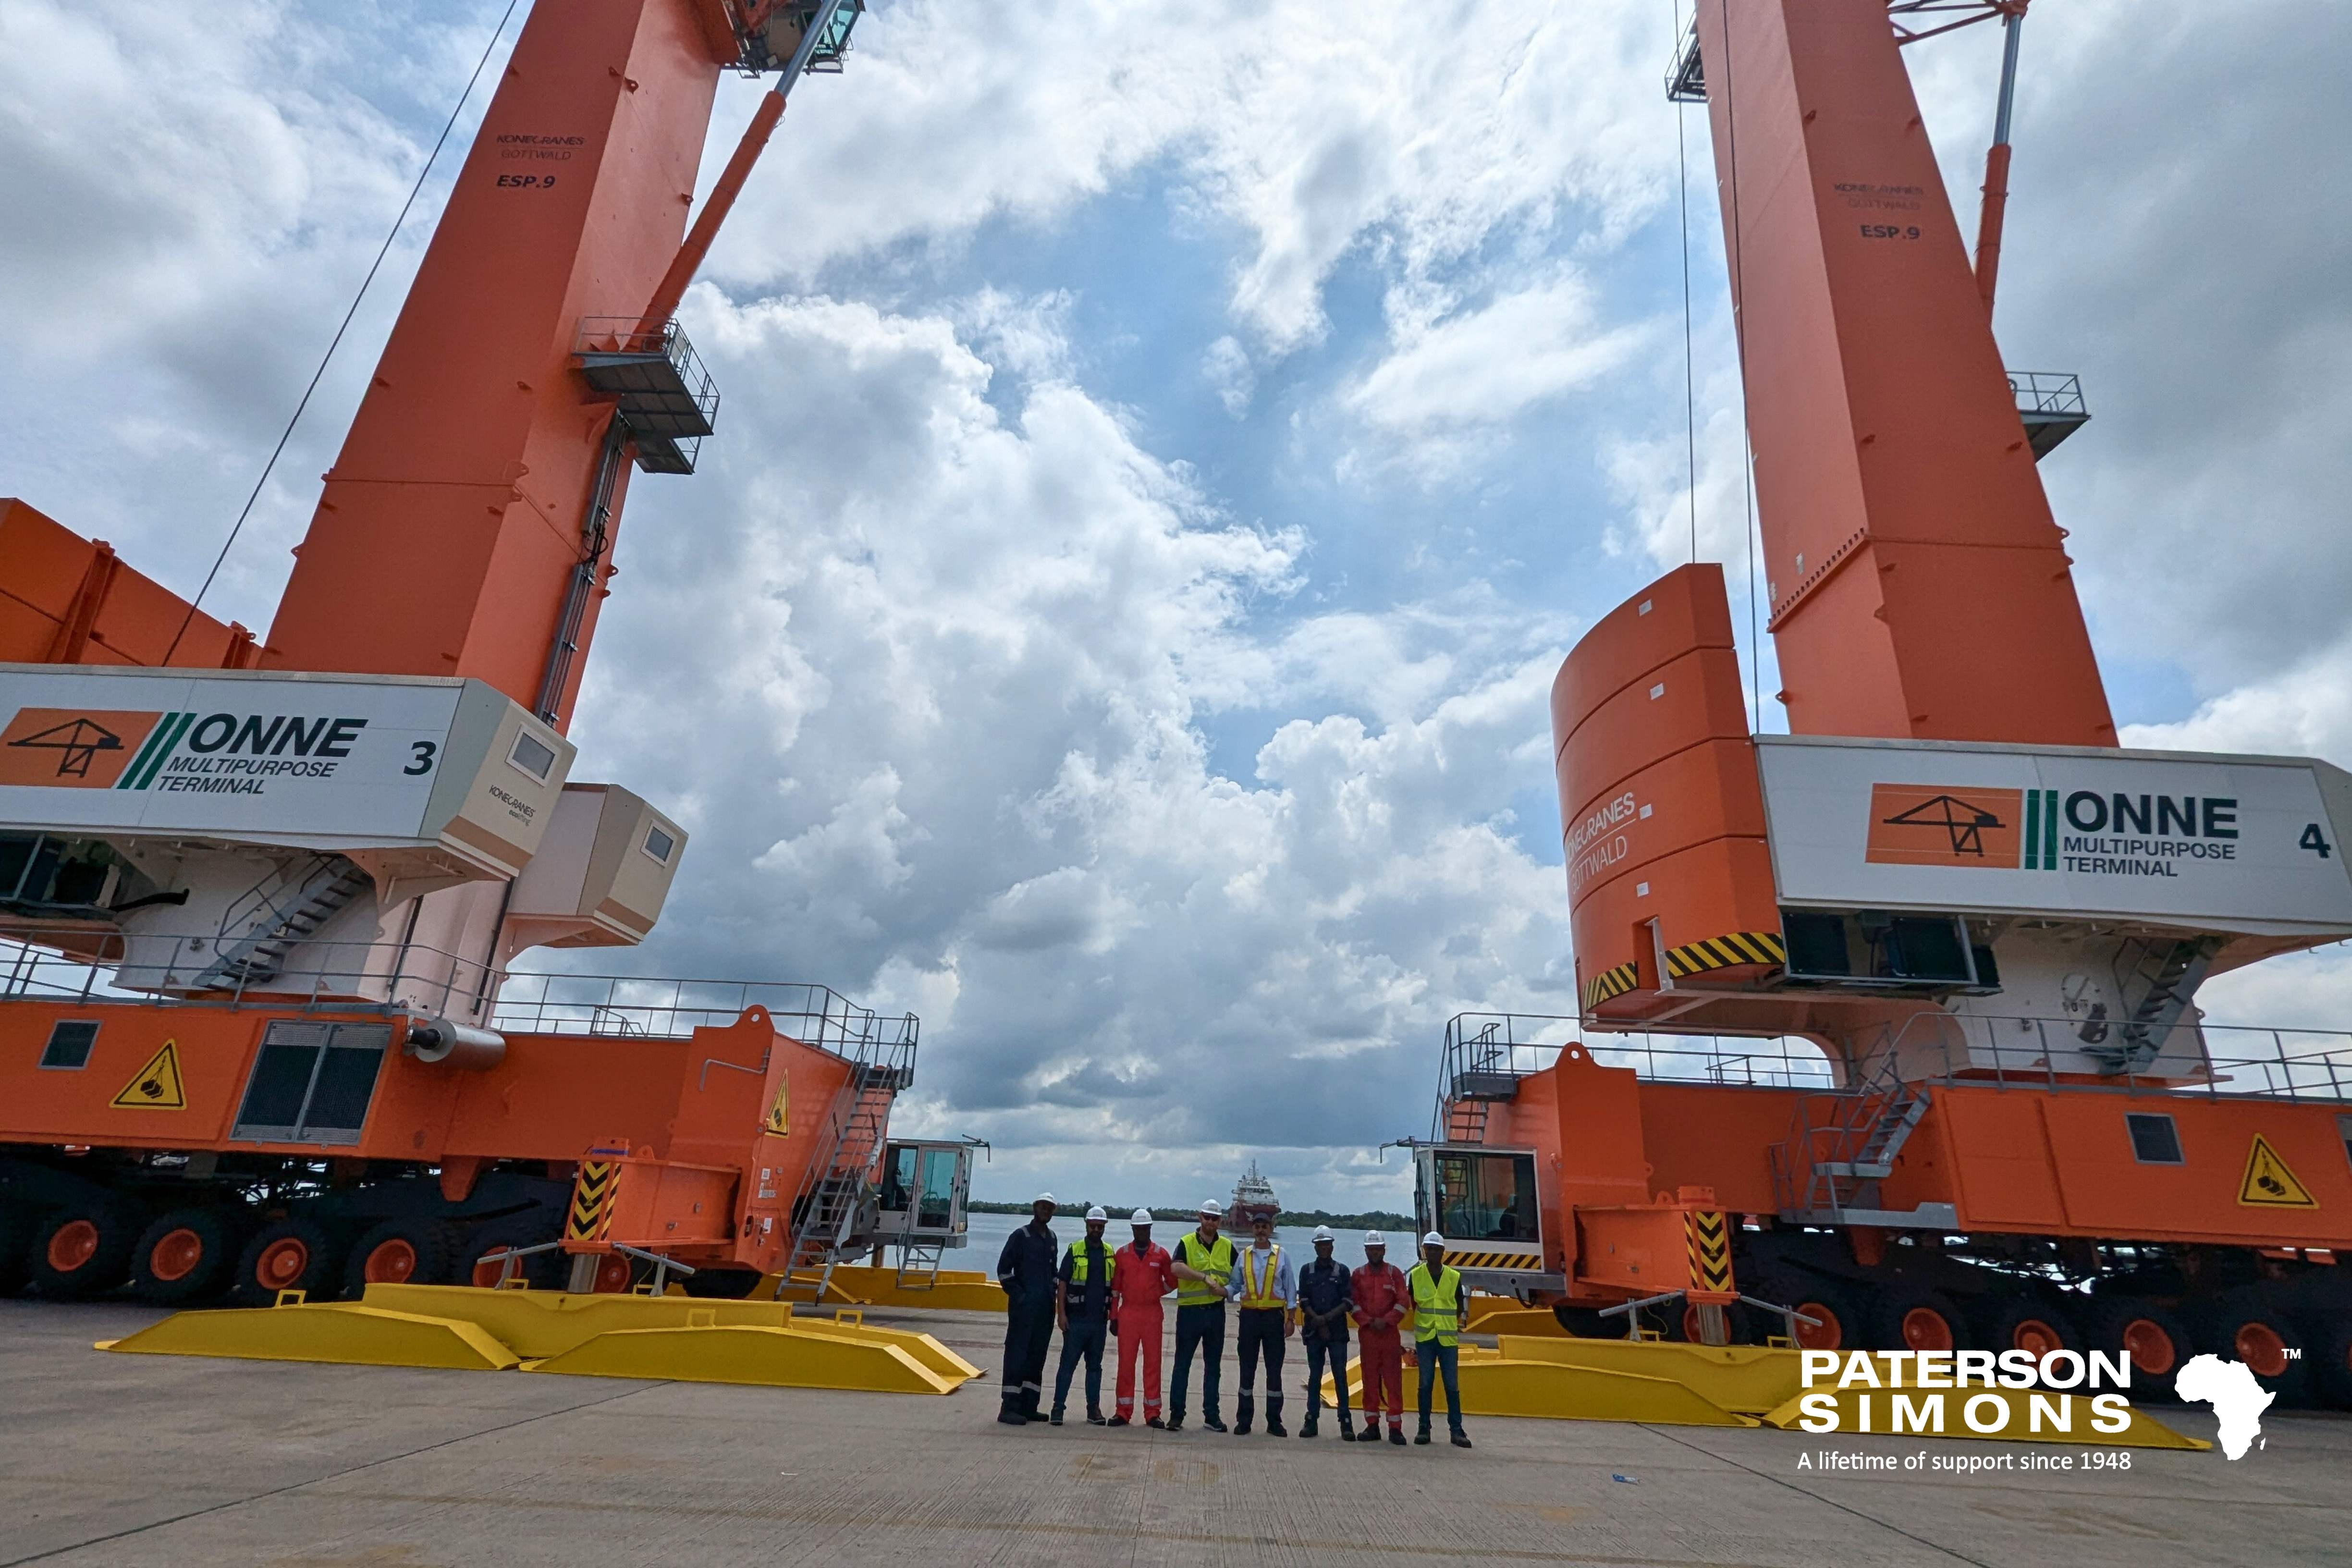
(65, 748)
(2098, 832)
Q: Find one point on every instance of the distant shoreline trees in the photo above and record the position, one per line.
(1178, 1213)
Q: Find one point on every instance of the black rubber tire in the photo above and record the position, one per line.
(15, 1236)
(215, 1234)
(429, 1244)
(1587, 1323)
(2026, 1321)
(108, 1264)
(2330, 1355)
(2238, 1326)
(541, 1270)
(1843, 1308)
(1903, 1317)
(319, 1271)
(2154, 1341)
(721, 1284)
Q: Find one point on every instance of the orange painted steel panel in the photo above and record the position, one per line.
(1700, 1136)
(1657, 780)
(1919, 582)
(2108, 1190)
(1687, 702)
(65, 599)
(451, 522)
(1683, 610)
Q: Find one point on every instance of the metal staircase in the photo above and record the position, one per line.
(833, 1213)
(1479, 1070)
(2156, 981)
(919, 1259)
(284, 910)
(1843, 1145)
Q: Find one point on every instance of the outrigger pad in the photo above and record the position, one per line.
(360, 1335)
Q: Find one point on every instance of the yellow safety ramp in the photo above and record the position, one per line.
(1510, 1318)
(862, 1284)
(657, 1337)
(537, 1324)
(358, 1336)
(2060, 1418)
(1496, 1384)
(1748, 1379)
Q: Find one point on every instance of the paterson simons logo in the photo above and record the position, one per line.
(2109, 833)
(214, 753)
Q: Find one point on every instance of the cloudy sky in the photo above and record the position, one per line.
(1167, 450)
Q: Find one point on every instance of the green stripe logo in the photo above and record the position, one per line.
(2042, 830)
(161, 743)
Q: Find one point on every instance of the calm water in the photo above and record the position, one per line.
(989, 1231)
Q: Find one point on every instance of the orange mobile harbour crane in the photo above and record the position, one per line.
(257, 1030)
(1974, 925)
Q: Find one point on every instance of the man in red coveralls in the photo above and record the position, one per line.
(1381, 1300)
(1141, 1274)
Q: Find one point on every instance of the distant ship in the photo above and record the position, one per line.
(1253, 1200)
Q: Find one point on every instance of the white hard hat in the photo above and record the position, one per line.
(1323, 1233)
(1141, 1216)
(1095, 1213)
(1433, 1239)
(1040, 1198)
(1374, 1238)
(1213, 1209)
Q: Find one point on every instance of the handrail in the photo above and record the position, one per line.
(2218, 1060)
(91, 964)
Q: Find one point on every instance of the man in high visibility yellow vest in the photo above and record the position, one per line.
(1440, 1301)
(1267, 1288)
(1082, 1307)
(1205, 1270)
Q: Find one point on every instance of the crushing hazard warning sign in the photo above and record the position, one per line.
(2268, 1184)
(157, 1086)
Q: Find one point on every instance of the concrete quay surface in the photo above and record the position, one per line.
(160, 1460)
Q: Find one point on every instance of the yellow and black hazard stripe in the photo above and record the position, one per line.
(1725, 952)
(1608, 983)
(592, 1200)
(1708, 1235)
(1493, 1260)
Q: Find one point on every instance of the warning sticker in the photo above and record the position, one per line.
(776, 1121)
(2268, 1183)
(157, 1086)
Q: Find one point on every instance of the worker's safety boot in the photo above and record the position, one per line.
(1306, 1427)
(1246, 1408)
(1347, 1432)
(1274, 1427)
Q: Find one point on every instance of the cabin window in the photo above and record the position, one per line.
(70, 1044)
(311, 1083)
(1486, 1197)
(533, 755)
(659, 845)
(2155, 1140)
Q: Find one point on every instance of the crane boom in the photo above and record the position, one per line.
(1918, 585)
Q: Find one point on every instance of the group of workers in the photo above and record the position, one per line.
(1091, 1292)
